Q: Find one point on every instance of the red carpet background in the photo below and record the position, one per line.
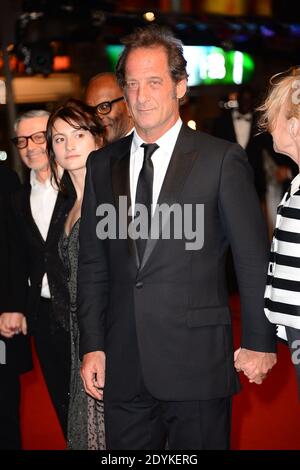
(264, 417)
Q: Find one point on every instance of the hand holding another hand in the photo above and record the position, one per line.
(254, 364)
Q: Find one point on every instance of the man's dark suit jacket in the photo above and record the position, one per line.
(169, 318)
(33, 257)
(18, 353)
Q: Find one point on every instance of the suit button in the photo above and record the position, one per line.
(139, 284)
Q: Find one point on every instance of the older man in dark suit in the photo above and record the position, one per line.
(154, 316)
(39, 289)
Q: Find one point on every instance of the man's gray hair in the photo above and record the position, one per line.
(30, 114)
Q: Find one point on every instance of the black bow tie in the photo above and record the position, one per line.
(243, 118)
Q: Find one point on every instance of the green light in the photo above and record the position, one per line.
(207, 65)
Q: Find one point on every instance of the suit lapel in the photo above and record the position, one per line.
(181, 163)
(30, 222)
(120, 172)
(62, 206)
(232, 137)
(253, 129)
(60, 210)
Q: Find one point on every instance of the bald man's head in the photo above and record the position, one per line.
(104, 87)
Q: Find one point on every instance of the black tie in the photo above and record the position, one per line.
(242, 117)
(144, 190)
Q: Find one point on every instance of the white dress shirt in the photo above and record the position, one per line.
(42, 201)
(160, 159)
(242, 127)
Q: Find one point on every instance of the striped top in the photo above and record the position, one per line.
(282, 294)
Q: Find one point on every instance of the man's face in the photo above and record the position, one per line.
(151, 94)
(245, 102)
(34, 156)
(117, 122)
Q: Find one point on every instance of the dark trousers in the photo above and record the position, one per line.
(10, 438)
(146, 423)
(53, 346)
(293, 336)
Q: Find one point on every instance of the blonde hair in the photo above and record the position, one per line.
(284, 87)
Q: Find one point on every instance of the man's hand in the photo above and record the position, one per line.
(93, 373)
(254, 364)
(12, 323)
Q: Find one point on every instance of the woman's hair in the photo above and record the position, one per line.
(284, 90)
(78, 115)
(149, 37)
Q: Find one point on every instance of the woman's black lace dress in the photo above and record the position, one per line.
(85, 417)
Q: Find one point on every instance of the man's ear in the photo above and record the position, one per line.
(181, 88)
(127, 107)
(293, 127)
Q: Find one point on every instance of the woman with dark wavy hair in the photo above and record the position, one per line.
(73, 132)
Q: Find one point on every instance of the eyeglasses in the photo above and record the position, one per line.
(37, 138)
(105, 106)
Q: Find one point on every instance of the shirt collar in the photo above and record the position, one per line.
(129, 132)
(165, 142)
(238, 115)
(35, 183)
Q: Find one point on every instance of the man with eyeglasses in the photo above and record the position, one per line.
(104, 93)
(39, 289)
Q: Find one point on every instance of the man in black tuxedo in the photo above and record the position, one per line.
(154, 318)
(239, 125)
(40, 288)
(17, 351)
